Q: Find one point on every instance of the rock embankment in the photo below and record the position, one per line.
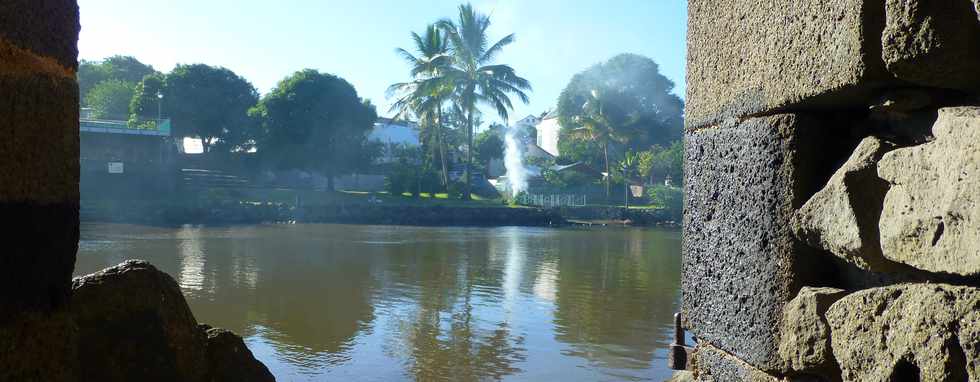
(832, 169)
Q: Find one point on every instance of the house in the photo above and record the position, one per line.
(391, 133)
(547, 133)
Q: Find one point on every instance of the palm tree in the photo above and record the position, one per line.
(473, 76)
(595, 125)
(628, 166)
(421, 97)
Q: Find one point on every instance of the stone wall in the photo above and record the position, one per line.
(832, 216)
(126, 323)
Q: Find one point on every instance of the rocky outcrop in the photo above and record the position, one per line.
(916, 332)
(931, 216)
(134, 324)
(805, 341)
(842, 218)
(230, 360)
(933, 43)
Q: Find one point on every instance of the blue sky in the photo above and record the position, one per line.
(265, 41)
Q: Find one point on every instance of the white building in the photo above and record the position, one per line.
(547, 133)
(391, 133)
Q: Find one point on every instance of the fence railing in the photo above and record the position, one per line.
(552, 200)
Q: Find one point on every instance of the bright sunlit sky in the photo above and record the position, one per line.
(264, 41)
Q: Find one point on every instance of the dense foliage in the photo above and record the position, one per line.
(314, 120)
(635, 95)
(110, 99)
(210, 103)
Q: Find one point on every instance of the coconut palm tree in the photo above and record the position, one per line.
(473, 76)
(596, 125)
(425, 98)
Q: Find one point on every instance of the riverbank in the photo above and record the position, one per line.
(172, 212)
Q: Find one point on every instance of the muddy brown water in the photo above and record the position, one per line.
(389, 303)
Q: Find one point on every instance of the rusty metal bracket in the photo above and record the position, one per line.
(678, 353)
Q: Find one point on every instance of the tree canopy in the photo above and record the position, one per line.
(210, 103)
(314, 120)
(122, 68)
(635, 94)
(109, 99)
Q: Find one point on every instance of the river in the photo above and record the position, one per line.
(388, 303)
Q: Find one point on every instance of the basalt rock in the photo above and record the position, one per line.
(933, 43)
(842, 218)
(931, 216)
(230, 360)
(916, 332)
(134, 324)
(805, 337)
(713, 364)
(741, 263)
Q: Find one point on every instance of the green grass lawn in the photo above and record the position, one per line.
(312, 198)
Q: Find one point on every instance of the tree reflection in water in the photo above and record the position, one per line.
(348, 302)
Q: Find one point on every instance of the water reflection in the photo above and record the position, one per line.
(395, 303)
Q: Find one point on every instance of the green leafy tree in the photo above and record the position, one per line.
(669, 161)
(147, 105)
(122, 68)
(425, 99)
(109, 99)
(210, 103)
(641, 95)
(489, 146)
(597, 122)
(313, 120)
(473, 76)
(644, 164)
(629, 168)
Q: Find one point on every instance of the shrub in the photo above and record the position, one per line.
(668, 198)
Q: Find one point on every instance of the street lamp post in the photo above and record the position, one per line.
(159, 105)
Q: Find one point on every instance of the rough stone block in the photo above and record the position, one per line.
(931, 216)
(805, 341)
(38, 176)
(46, 27)
(39, 347)
(713, 364)
(914, 332)
(741, 263)
(749, 56)
(842, 218)
(933, 43)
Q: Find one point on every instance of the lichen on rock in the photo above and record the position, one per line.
(805, 336)
(931, 213)
(926, 329)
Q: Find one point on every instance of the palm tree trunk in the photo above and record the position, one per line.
(469, 152)
(605, 154)
(442, 148)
